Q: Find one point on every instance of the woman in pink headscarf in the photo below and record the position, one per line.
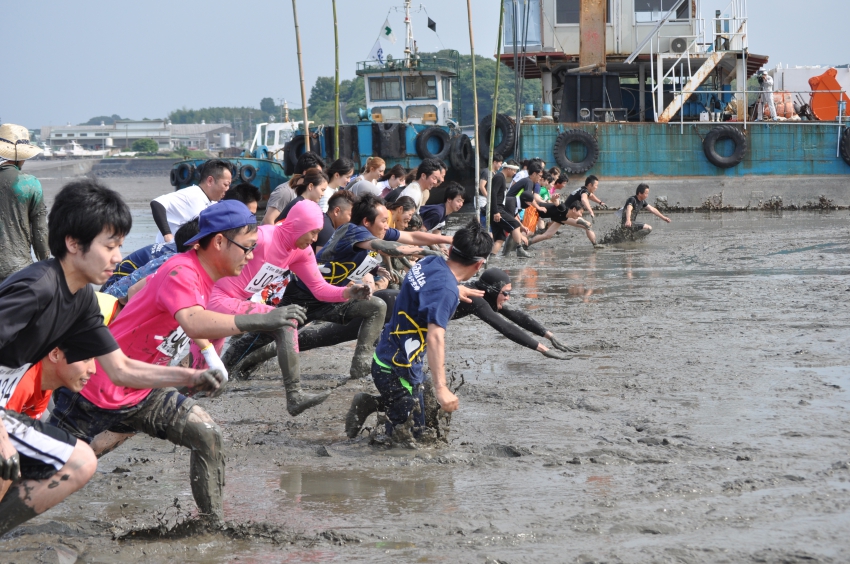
(280, 249)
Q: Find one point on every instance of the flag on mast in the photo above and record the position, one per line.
(387, 32)
(377, 53)
(432, 25)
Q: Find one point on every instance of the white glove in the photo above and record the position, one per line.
(213, 361)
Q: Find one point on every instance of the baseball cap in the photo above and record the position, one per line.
(222, 216)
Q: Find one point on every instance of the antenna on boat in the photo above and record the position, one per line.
(408, 39)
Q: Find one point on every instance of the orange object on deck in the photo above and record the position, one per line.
(783, 104)
(530, 219)
(825, 104)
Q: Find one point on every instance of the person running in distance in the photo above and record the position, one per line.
(634, 205)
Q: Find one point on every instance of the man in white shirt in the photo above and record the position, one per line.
(428, 176)
(170, 211)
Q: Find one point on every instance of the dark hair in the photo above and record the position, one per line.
(82, 210)
(512, 162)
(555, 171)
(340, 166)
(215, 168)
(415, 223)
(641, 189)
(366, 209)
(184, 233)
(406, 203)
(534, 166)
(590, 180)
(497, 158)
(245, 193)
(453, 190)
(309, 159)
(428, 167)
(342, 199)
(412, 175)
(396, 171)
(313, 176)
(524, 163)
(547, 177)
(470, 244)
(562, 179)
(229, 234)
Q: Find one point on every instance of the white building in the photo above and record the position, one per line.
(123, 133)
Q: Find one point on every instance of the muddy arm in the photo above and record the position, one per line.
(486, 314)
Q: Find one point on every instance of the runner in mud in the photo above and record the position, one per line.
(634, 205)
(425, 304)
(563, 214)
(172, 210)
(152, 328)
(502, 221)
(490, 309)
(285, 247)
(585, 195)
(51, 303)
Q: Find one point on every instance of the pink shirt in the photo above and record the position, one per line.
(146, 329)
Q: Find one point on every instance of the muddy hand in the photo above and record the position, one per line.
(466, 293)
(358, 292)
(562, 347)
(286, 316)
(447, 400)
(430, 253)
(10, 461)
(211, 380)
(558, 355)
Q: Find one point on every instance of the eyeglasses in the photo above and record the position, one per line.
(506, 293)
(245, 249)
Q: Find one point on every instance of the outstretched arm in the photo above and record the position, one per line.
(586, 203)
(657, 213)
(422, 238)
(524, 320)
(395, 248)
(124, 371)
(486, 314)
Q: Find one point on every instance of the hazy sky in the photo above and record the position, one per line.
(70, 61)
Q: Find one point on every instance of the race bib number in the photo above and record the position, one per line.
(9, 380)
(369, 263)
(268, 274)
(173, 343)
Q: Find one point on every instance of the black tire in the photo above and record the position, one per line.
(296, 148)
(709, 146)
(288, 167)
(173, 177)
(422, 143)
(576, 136)
(461, 153)
(844, 146)
(508, 128)
(185, 173)
(247, 173)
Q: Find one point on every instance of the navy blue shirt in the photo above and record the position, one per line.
(521, 195)
(428, 294)
(433, 216)
(138, 259)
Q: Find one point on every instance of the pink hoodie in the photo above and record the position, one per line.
(276, 252)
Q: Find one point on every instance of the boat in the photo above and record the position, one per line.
(73, 149)
(632, 91)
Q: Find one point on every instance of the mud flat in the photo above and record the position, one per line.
(705, 420)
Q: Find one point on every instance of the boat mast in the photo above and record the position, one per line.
(408, 40)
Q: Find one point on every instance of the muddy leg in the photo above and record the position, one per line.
(107, 441)
(290, 367)
(373, 312)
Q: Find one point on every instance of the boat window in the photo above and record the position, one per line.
(270, 137)
(84, 134)
(655, 10)
(569, 11)
(389, 114)
(447, 89)
(420, 87)
(420, 112)
(57, 135)
(385, 88)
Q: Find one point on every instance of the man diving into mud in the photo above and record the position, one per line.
(634, 205)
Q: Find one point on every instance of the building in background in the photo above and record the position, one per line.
(123, 133)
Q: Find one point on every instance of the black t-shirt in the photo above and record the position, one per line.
(285, 211)
(325, 234)
(575, 196)
(39, 313)
(497, 204)
(521, 193)
(558, 214)
(636, 204)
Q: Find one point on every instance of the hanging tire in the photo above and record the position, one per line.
(563, 142)
(296, 149)
(709, 146)
(461, 153)
(844, 146)
(185, 173)
(247, 173)
(422, 143)
(506, 126)
(173, 178)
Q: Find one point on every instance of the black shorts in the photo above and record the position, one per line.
(555, 213)
(635, 226)
(43, 449)
(506, 224)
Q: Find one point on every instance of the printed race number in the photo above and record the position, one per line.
(9, 380)
(173, 343)
(368, 265)
(268, 274)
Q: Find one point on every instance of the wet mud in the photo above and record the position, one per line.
(705, 419)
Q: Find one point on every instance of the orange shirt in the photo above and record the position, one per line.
(28, 397)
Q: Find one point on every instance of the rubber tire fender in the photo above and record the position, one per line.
(844, 146)
(572, 136)
(247, 173)
(506, 126)
(461, 153)
(173, 178)
(422, 143)
(185, 173)
(296, 148)
(725, 132)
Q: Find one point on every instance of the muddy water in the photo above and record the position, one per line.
(705, 420)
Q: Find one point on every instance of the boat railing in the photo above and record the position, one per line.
(416, 64)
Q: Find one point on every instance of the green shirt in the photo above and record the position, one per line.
(23, 220)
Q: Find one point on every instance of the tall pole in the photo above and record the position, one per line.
(336, 85)
(301, 75)
(474, 104)
(494, 114)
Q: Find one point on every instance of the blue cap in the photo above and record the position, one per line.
(222, 216)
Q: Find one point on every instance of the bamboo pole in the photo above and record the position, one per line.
(336, 84)
(474, 108)
(494, 114)
(301, 75)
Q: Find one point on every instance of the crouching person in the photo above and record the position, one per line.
(427, 300)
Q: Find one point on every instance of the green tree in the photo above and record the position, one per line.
(145, 145)
(267, 106)
(107, 120)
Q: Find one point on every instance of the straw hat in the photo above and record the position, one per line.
(15, 143)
